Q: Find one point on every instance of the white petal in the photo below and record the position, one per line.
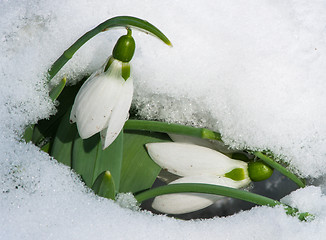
(188, 160)
(179, 203)
(119, 114)
(94, 74)
(191, 140)
(73, 114)
(96, 100)
(216, 145)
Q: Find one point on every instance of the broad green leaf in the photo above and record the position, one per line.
(89, 160)
(63, 141)
(138, 169)
(104, 185)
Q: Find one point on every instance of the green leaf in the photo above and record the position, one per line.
(89, 160)
(138, 170)
(55, 92)
(63, 141)
(104, 185)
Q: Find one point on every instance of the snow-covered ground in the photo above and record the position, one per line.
(253, 70)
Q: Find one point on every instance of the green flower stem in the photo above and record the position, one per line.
(219, 190)
(164, 127)
(280, 168)
(121, 21)
(206, 188)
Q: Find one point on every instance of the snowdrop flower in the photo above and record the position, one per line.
(215, 145)
(195, 164)
(103, 102)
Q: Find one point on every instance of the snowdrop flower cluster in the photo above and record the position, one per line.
(195, 164)
(103, 102)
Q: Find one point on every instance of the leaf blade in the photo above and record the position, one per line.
(138, 170)
(104, 185)
(63, 141)
(89, 160)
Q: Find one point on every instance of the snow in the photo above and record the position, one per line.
(253, 70)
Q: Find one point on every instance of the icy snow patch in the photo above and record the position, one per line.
(310, 199)
(253, 70)
(127, 200)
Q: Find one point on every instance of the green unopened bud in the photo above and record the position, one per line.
(259, 171)
(124, 48)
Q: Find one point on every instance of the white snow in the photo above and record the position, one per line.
(253, 70)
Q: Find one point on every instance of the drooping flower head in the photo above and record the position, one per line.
(103, 102)
(195, 164)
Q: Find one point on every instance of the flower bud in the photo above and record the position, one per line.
(124, 48)
(259, 171)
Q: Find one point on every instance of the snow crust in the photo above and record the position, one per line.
(253, 70)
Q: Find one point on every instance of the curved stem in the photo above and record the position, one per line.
(206, 188)
(220, 190)
(171, 128)
(280, 168)
(121, 21)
